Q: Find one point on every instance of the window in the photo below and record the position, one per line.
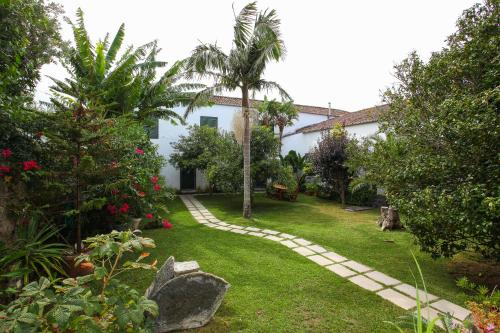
(208, 121)
(153, 128)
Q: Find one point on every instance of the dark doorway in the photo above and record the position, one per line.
(188, 179)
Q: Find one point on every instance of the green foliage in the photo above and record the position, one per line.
(29, 39)
(439, 164)
(98, 302)
(363, 195)
(219, 156)
(285, 176)
(273, 113)
(33, 254)
(300, 165)
(328, 159)
(125, 85)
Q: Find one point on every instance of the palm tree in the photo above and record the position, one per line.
(256, 42)
(274, 113)
(125, 86)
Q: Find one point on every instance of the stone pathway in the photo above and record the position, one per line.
(390, 289)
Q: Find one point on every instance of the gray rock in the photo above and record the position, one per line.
(188, 301)
(186, 267)
(164, 274)
(186, 297)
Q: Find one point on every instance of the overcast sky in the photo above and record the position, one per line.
(339, 51)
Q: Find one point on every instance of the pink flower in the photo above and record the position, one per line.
(149, 216)
(157, 187)
(124, 208)
(139, 151)
(111, 209)
(166, 224)
(30, 165)
(5, 168)
(6, 153)
(154, 179)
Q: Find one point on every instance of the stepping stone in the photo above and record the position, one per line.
(223, 223)
(316, 248)
(302, 241)
(365, 283)
(274, 238)
(399, 299)
(270, 232)
(303, 251)
(258, 234)
(237, 227)
(252, 229)
(334, 256)
(214, 220)
(211, 225)
(356, 266)
(382, 278)
(203, 221)
(223, 228)
(287, 236)
(341, 270)
(456, 311)
(320, 260)
(430, 313)
(411, 291)
(238, 231)
(289, 243)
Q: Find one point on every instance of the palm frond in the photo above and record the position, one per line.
(243, 26)
(263, 85)
(203, 97)
(206, 57)
(115, 46)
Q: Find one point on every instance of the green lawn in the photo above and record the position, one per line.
(273, 289)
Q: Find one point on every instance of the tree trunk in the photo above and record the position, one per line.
(247, 204)
(389, 219)
(342, 193)
(281, 136)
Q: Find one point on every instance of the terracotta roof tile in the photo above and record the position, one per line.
(235, 101)
(364, 116)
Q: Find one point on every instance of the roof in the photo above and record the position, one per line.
(235, 101)
(364, 116)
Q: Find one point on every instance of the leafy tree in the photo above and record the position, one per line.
(301, 167)
(29, 38)
(125, 85)
(439, 164)
(273, 113)
(328, 159)
(257, 41)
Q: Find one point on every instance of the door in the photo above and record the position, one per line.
(188, 179)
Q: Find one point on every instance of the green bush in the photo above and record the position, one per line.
(362, 195)
(98, 302)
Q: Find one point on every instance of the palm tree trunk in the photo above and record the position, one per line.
(247, 204)
(281, 136)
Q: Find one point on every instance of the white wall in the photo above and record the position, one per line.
(302, 143)
(168, 133)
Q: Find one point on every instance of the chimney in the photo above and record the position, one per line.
(329, 110)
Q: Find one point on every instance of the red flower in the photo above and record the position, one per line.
(111, 209)
(29, 165)
(141, 194)
(6, 153)
(149, 216)
(114, 165)
(115, 191)
(157, 187)
(124, 208)
(166, 224)
(139, 151)
(154, 179)
(5, 168)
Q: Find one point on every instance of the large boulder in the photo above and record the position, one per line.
(186, 297)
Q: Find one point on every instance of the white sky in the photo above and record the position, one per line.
(339, 51)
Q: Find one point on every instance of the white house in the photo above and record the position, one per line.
(301, 136)
(362, 123)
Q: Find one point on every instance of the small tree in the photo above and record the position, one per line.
(273, 113)
(300, 165)
(329, 158)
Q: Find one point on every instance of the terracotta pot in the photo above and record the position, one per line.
(84, 268)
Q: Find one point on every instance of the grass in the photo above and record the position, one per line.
(354, 235)
(272, 288)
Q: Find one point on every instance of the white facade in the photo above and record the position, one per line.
(168, 133)
(302, 143)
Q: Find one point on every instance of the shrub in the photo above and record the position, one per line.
(284, 175)
(362, 195)
(98, 302)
